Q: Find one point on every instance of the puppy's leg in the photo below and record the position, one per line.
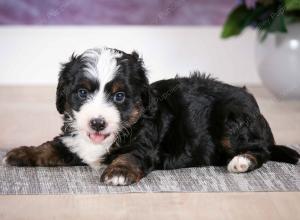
(123, 170)
(51, 153)
(246, 141)
(130, 167)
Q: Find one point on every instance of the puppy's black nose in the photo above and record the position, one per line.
(97, 124)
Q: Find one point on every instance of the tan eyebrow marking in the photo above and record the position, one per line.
(117, 86)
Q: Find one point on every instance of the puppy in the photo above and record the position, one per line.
(113, 117)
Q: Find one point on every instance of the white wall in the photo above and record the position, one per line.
(31, 55)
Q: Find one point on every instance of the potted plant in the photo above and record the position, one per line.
(278, 41)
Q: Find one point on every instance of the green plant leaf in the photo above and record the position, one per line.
(278, 24)
(258, 11)
(236, 21)
(292, 5)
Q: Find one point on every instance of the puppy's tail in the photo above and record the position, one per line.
(282, 153)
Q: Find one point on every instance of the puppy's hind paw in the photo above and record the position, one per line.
(239, 164)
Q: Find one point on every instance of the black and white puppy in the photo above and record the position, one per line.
(113, 117)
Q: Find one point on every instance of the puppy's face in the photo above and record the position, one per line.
(100, 93)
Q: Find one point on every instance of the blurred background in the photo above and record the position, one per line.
(173, 36)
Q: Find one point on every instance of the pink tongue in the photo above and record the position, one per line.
(97, 138)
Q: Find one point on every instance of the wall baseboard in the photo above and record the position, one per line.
(31, 55)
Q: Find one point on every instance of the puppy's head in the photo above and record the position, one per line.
(101, 92)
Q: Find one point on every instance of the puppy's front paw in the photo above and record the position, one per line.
(19, 157)
(120, 175)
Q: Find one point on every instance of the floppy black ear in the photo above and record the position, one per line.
(60, 91)
(149, 103)
(139, 68)
(60, 95)
(63, 82)
(135, 55)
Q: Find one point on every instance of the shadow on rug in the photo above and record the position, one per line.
(83, 180)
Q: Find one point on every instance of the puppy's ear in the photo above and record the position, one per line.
(60, 96)
(135, 55)
(60, 92)
(63, 82)
(141, 73)
(139, 68)
(149, 103)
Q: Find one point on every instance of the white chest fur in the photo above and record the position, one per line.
(90, 153)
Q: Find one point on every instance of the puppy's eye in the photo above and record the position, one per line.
(82, 93)
(119, 97)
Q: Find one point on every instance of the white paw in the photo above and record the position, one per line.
(239, 164)
(116, 181)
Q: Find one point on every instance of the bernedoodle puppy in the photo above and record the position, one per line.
(114, 118)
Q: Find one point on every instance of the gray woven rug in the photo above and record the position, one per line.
(83, 180)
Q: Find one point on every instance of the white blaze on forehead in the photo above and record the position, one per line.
(102, 64)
